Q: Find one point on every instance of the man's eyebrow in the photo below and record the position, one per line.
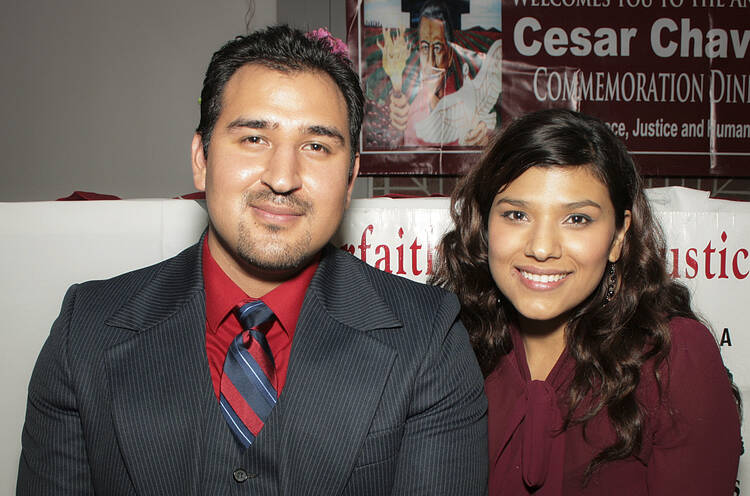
(252, 124)
(318, 130)
(329, 132)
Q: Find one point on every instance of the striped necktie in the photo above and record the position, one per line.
(248, 385)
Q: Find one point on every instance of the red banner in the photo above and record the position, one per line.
(669, 76)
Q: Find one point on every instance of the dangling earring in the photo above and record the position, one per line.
(611, 281)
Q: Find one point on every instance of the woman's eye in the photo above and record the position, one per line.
(515, 215)
(579, 219)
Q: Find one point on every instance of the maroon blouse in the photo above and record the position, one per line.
(691, 438)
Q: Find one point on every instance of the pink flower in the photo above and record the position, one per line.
(337, 46)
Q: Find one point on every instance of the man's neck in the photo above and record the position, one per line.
(255, 282)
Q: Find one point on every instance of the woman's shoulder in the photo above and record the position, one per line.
(693, 354)
(690, 334)
(694, 351)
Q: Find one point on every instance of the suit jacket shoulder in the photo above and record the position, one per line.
(365, 297)
(100, 386)
(134, 299)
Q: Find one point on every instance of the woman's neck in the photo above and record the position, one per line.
(544, 342)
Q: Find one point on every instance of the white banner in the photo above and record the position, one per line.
(50, 245)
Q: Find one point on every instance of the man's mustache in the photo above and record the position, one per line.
(291, 201)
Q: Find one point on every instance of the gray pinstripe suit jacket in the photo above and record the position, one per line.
(383, 394)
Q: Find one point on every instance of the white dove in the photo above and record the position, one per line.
(460, 112)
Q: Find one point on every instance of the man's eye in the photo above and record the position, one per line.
(252, 139)
(317, 147)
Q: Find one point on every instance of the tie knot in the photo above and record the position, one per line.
(253, 314)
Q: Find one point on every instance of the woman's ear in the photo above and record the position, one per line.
(616, 249)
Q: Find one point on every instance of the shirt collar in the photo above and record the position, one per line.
(222, 294)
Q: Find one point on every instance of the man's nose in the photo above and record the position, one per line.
(435, 59)
(282, 171)
(431, 58)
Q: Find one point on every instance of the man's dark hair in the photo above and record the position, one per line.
(439, 11)
(282, 49)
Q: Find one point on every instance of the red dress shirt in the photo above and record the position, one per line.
(222, 326)
(691, 435)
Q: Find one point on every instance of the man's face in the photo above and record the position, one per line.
(277, 173)
(434, 53)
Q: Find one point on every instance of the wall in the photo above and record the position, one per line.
(102, 96)
(314, 14)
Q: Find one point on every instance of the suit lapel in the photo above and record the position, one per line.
(157, 372)
(336, 376)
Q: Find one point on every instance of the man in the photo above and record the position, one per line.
(440, 74)
(352, 381)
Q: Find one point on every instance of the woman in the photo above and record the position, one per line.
(600, 379)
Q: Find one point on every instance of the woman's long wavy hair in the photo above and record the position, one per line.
(609, 342)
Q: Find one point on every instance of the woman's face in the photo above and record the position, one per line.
(551, 233)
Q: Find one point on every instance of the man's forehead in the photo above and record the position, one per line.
(246, 101)
(248, 75)
(431, 29)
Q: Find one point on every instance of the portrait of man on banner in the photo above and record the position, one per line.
(432, 74)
